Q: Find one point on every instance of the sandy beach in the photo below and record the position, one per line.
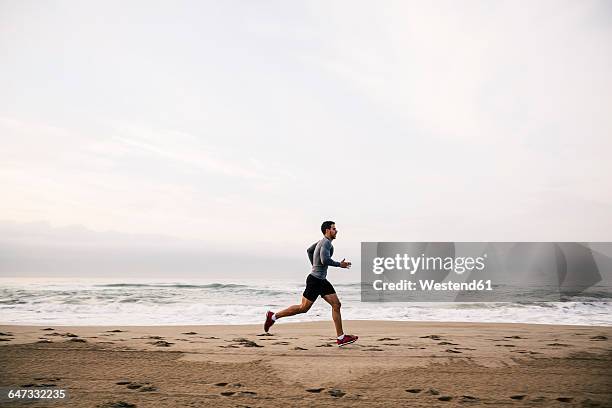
(298, 364)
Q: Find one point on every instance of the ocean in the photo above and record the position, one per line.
(74, 301)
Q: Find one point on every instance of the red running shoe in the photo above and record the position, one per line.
(269, 322)
(348, 339)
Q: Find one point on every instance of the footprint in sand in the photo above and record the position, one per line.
(227, 393)
(314, 390)
(325, 345)
(388, 339)
(65, 335)
(559, 345)
(564, 399)
(299, 348)
(48, 328)
(246, 342)
(221, 384)
(76, 340)
(336, 392)
(598, 338)
(447, 343)
(115, 331)
(445, 398)
(468, 398)
(30, 385)
(211, 338)
(190, 333)
(524, 352)
(505, 345)
(518, 397)
(117, 404)
(160, 343)
(513, 337)
(142, 387)
(281, 343)
(452, 351)
(414, 390)
(431, 336)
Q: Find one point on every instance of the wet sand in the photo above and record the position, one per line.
(298, 364)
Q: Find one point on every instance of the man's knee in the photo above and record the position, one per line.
(304, 308)
(336, 305)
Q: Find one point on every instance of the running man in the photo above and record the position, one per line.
(320, 255)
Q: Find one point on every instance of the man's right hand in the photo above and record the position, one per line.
(344, 264)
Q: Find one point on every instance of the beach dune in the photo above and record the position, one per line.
(415, 364)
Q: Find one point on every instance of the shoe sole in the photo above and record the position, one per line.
(266, 330)
(348, 342)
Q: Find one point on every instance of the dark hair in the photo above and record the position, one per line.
(326, 225)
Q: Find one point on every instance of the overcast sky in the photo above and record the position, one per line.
(235, 128)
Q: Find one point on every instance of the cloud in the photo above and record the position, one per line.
(400, 120)
(483, 72)
(39, 249)
(137, 179)
(186, 149)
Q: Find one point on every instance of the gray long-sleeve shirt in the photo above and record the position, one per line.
(320, 254)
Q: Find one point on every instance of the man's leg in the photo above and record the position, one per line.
(312, 291)
(296, 309)
(333, 300)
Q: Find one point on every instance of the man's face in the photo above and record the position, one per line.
(332, 231)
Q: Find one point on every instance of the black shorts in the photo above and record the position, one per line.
(316, 287)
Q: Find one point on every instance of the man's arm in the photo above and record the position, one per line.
(326, 254)
(310, 252)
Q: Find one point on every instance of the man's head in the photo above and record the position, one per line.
(328, 228)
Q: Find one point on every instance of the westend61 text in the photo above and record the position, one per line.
(432, 285)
